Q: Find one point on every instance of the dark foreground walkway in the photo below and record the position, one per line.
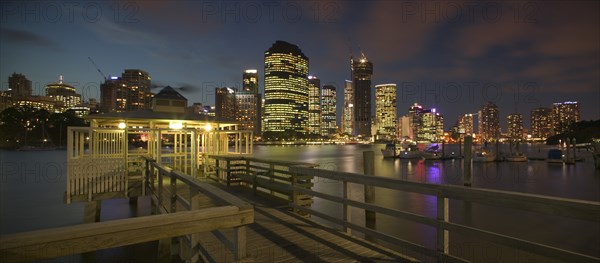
(278, 235)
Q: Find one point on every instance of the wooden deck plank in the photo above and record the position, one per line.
(277, 235)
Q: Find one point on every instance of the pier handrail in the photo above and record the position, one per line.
(64, 241)
(155, 172)
(271, 177)
(570, 208)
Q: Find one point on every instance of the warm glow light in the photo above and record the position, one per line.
(122, 125)
(208, 127)
(175, 125)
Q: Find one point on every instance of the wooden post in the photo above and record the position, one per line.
(574, 150)
(228, 162)
(91, 214)
(164, 250)
(159, 192)
(369, 169)
(194, 238)
(254, 182)
(91, 211)
(459, 147)
(467, 161)
(239, 241)
(271, 174)
(346, 212)
(443, 148)
(247, 172)
(497, 149)
(442, 234)
(568, 159)
(173, 193)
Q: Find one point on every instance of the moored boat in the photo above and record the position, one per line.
(390, 151)
(402, 150)
(432, 152)
(516, 157)
(483, 155)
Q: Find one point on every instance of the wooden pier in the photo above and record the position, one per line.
(209, 205)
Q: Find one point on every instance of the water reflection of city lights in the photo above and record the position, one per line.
(433, 174)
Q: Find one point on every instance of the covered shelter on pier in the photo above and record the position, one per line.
(104, 158)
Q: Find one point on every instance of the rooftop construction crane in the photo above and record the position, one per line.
(97, 68)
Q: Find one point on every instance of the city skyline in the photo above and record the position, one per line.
(539, 56)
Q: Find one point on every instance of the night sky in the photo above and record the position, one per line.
(451, 55)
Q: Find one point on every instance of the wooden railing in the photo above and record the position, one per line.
(172, 191)
(97, 166)
(263, 176)
(570, 208)
(172, 223)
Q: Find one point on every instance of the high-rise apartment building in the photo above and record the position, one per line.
(138, 84)
(19, 86)
(465, 125)
(225, 102)
(430, 126)
(248, 102)
(385, 112)
(328, 111)
(63, 93)
(515, 126)
(414, 114)
(286, 91)
(362, 70)
(489, 127)
(130, 92)
(250, 81)
(564, 114)
(113, 95)
(314, 105)
(541, 123)
(348, 110)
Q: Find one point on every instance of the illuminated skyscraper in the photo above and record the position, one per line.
(430, 126)
(541, 123)
(250, 81)
(19, 86)
(489, 127)
(328, 111)
(225, 102)
(286, 91)
(515, 126)
(138, 89)
(414, 114)
(465, 125)
(564, 114)
(314, 105)
(248, 102)
(385, 111)
(348, 111)
(362, 70)
(63, 94)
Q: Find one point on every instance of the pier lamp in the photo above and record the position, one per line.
(208, 127)
(122, 125)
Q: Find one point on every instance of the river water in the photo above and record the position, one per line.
(33, 183)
